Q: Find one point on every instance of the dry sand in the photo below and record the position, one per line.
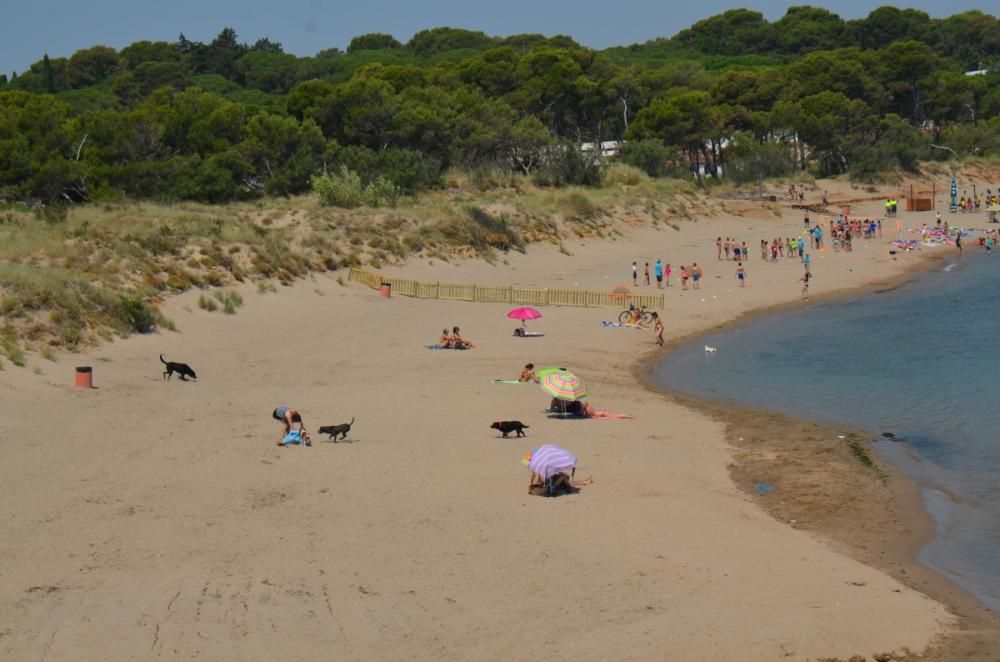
(146, 519)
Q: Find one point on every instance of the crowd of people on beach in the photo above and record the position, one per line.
(968, 204)
(662, 272)
(731, 249)
(843, 231)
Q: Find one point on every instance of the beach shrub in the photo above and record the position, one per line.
(578, 206)
(55, 212)
(496, 230)
(622, 174)
(207, 303)
(381, 193)
(649, 155)
(137, 315)
(341, 189)
(566, 165)
(345, 189)
(230, 301)
(13, 352)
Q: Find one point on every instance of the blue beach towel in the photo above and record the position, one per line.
(293, 437)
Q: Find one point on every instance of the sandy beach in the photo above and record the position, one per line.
(146, 519)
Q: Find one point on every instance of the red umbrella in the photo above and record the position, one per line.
(621, 292)
(524, 313)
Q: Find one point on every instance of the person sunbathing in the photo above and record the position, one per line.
(445, 340)
(458, 342)
(589, 411)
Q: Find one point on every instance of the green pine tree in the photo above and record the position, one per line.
(47, 76)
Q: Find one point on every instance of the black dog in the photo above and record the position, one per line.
(334, 430)
(506, 427)
(182, 369)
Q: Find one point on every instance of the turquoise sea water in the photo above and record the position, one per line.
(921, 361)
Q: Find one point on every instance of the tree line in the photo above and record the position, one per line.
(733, 95)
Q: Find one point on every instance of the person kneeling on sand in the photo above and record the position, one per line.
(289, 416)
(528, 374)
(559, 483)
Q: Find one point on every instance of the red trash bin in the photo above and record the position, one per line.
(84, 377)
(385, 291)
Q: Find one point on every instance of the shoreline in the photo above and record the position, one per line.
(894, 552)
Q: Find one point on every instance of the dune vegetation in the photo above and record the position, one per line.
(129, 174)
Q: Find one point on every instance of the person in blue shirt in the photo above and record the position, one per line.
(658, 269)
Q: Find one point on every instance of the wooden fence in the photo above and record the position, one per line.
(512, 295)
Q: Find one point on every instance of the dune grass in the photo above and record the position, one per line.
(97, 271)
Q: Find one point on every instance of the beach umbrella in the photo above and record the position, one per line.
(563, 385)
(621, 292)
(524, 313)
(548, 460)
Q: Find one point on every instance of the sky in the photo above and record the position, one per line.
(28, 30)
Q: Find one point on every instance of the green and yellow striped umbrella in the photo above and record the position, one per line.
(563, 385)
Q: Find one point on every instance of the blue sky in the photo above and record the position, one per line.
(59, 27)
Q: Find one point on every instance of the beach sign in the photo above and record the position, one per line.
(954, 195)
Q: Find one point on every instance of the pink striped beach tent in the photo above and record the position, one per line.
(548, 460)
